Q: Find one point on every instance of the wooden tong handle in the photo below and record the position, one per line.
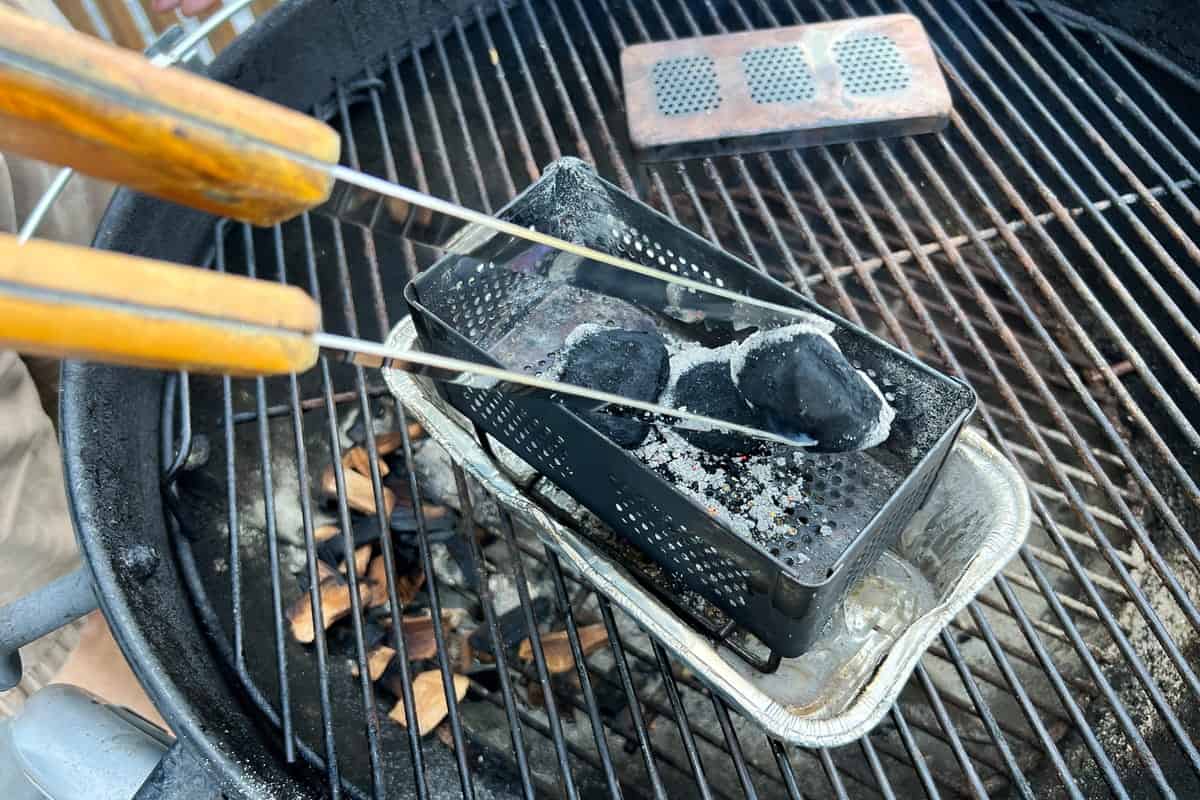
(73, 100)
(75, 302)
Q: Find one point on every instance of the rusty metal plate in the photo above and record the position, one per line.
(783, 87)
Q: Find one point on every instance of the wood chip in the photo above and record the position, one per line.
(357, 459)
(557, 647)
(390, 442)
(325, 533)
(419, 640)
(377, 661)
(360, 495)
(335, 604)
(325, 571)
(362, 557)
(429, 700)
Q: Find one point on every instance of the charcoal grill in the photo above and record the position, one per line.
(1042, 248)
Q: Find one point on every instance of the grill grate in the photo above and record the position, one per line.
(1043, 247)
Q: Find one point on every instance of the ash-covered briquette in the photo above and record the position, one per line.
(629, 363)
(799, 380)
(709, 391)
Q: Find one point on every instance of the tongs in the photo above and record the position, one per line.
(72, 100)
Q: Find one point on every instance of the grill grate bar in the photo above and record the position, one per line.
(510, 189)
(939, 709)
(681, 721)
(984, 712)
(350, 314)
(321, 647)
(589, 94)
(1161, 105)
(231, 520)
(658, 707)
(1050, 527)
(585, 681)
(554, 723)
(881, 778)
(1165, 572)
(634, 704)
(370, 711)
(663, 195)
(852, 251)
(1113, 282)
(903, 227)
(1015, 225)
(1167, 261)
(1113, 120)
(268, 490)
(698, 206)
(1057, 682)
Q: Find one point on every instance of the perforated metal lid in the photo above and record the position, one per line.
(783, 87)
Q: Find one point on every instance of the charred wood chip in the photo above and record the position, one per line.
(408, 584)
(419, 640)
(362, 557)
(460, 550)
(437, 518)
(390, 442)
(377, 661)
(360, 494)
(557, 647)
(335, 604)
(366, 531)
(429, 700)
(377, 581)
(357, 459)
(512, 626)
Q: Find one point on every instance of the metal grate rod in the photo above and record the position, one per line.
(1106, 549)
(321, 647)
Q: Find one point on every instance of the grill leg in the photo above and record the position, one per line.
(38, 613)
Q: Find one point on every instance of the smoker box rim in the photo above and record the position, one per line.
(879, 692)
(853, 547)
(658, 138)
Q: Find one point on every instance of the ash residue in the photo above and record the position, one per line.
(745, 493)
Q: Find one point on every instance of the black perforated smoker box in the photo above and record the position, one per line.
(791, 86)
(856, 504)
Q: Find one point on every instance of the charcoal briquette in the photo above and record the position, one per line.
(800, 382)
(632, 364)
(707, 389)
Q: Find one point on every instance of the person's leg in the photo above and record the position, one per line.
(37, 540)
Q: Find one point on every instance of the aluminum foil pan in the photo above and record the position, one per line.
(974, 521)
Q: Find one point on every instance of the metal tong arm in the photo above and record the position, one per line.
(73, 100)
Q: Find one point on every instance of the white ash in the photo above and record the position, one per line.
(762, 496)
(882, 429)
